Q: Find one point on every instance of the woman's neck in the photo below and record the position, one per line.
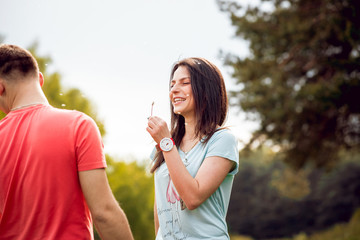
(190, 129)
(189, 139)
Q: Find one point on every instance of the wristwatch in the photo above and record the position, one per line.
(166, 144)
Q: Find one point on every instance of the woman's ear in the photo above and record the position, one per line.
(41, 79)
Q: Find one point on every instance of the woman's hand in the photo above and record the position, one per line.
(158, 129)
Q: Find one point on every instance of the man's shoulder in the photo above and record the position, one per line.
(66, 114)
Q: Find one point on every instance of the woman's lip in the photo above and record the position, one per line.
(180, 101)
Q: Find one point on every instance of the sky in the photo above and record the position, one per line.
(120, 53)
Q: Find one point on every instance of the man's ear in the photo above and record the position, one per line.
(41, 79)
(2, 87)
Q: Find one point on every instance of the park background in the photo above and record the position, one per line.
(292, 73)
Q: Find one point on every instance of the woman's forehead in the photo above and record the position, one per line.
(181, 73)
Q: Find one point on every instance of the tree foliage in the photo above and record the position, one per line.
(312, 201)
(133, 187)
(302, 78)
(348, 231)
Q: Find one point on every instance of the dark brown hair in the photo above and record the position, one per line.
(211, 103)
(16, 62)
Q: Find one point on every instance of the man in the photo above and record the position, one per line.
(52, 165)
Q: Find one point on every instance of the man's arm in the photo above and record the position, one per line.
(110, 220)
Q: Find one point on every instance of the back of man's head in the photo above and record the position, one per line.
(16, 63)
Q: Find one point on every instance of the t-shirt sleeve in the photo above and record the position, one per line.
(224, 144)
(152, 154)
(89, 147)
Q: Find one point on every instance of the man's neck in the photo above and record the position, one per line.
(25, 99)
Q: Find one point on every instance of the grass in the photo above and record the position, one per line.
(346, 231)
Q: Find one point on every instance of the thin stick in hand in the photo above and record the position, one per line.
(152, 106)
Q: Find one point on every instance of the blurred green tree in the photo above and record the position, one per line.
(302, 78)
(133, 187)
(264, 204)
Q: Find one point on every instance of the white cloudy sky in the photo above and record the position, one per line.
(120, 53)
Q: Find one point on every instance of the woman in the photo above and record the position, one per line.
(196, 161)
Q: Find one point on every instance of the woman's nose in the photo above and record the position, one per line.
(174, 88)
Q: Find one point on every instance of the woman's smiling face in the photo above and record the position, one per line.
(181, 94)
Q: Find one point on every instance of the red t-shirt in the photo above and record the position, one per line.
(41, 151)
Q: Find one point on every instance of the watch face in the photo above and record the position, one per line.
(166, 144)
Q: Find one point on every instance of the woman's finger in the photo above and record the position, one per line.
(151, 124)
